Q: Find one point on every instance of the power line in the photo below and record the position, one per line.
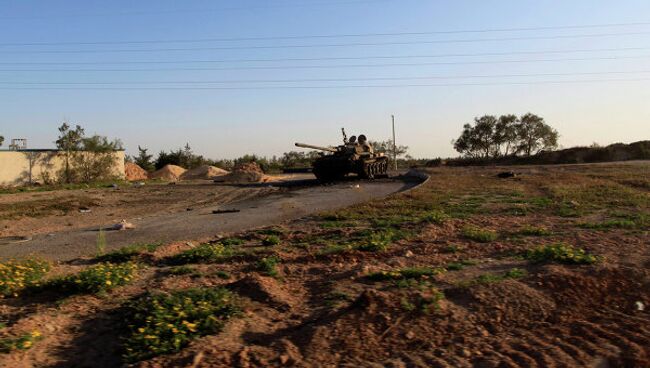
(328, 66)
(333, 87)
(208, 10)
(245, 81)
(349, 35)
(358, 44)
(507, 53)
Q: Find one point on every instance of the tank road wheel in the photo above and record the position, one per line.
(368, 171)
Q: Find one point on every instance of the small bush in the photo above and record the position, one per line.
(271, 240)
(182, 270)
(380, 240)
(515, 273)
(561, 253)
(424, 302)
(268, 266)
(272, 231)
(165, 323)
(335, 298)
(127, 254)
(100, 278)
(479, 235)
(16, 275)
(23, 342)
(610, 224)
(535, 231)
(435, 217)
(204, 253)
(457, 266)
(229, 242)
(405, 273)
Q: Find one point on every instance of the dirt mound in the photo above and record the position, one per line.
(135, 172)
(203, 172)
(169, 172)
(505, 304)
(245, 173)
(377, 324)
(264, 290)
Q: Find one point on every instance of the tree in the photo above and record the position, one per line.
(478, 140)
(535, 135)
(144, 160)
(96, 159)
(2, 140)
(387, 148)
(69, 142)
(507, 135)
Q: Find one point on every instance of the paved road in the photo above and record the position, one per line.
(201, 223)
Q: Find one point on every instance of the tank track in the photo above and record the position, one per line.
(372, 170)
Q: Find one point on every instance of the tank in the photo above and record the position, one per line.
(337, 162)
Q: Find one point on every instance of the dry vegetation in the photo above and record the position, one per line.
(547, 269)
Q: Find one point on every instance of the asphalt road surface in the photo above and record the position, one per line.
(202, 224)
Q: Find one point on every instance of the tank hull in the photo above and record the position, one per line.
(335, 167)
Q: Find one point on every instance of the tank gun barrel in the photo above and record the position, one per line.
(327, 149)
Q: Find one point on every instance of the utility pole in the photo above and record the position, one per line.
(394, 143)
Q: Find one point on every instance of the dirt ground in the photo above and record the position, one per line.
(53, 211)
(441, 276)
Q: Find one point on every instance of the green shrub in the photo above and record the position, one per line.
(457, 266)
(229, 242)
(535, 231)
(379, 241)
(405, 274)
(561, 253)
(268, 266)
(271, 240)
(435, 217)
(16, 275)
(610, 224)
(127, 254)
(182, 270)
(204, 253)
(165, 323)
(515, 273)
(272, 231)
(23, 342)
(102, 277)
(479, 235)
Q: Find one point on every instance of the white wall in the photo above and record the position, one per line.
(15, 166)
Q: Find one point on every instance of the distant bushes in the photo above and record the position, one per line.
(576, 155)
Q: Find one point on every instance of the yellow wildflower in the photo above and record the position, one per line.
(36, 333)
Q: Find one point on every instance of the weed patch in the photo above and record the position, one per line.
(561, 253)
(100, 278)
(127, 254)
(609, 224)
(16, 275)
(165, 323)
(435, 217)
(271, 240)
(204, 253)
(268, 266)
(409, 273)
(457, 266)
(479, 235)
(490, 278)
(534, 231)
(23, 342)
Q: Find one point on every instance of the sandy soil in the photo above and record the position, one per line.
(324, 309)
(48, 212)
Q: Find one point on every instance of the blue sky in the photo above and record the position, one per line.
(222, 123)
